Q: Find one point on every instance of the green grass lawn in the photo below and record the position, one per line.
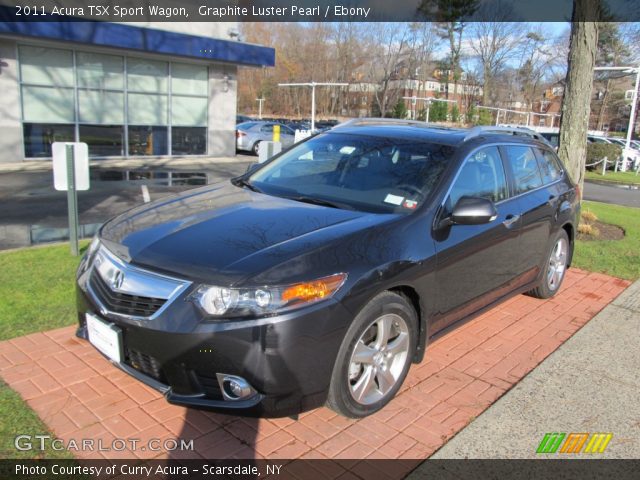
(629, 178)
(37, 291)
(620, 258)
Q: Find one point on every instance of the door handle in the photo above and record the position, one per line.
(510, 220)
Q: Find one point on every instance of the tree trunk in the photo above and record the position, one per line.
(574, 122)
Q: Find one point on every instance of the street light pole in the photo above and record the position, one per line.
(260, 100)
(633, 109)
(313, 86)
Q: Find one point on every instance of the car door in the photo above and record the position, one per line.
(475, 264)
(538, 199)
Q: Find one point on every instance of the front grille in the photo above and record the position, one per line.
(123, 303)
(145, 364)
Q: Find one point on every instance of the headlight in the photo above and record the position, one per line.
(86, 259)
(233, 302)
(93, 246)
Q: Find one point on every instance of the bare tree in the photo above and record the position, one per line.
(495, 43)
(574, 122)
(394, 46)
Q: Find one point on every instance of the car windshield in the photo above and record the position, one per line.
(356, 172)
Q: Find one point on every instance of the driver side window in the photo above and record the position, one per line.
(482, 175)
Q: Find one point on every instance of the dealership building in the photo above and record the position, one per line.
(153, 90)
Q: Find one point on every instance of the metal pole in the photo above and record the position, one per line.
(260, 100)
(428, 107)
(313, 106)
(632, 117)
(498, 117)
(72, 200)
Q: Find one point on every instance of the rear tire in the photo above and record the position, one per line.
(555, 267)
(375, 356)
(255, 148)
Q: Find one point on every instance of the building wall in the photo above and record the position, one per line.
(11, 149)
(222, 111)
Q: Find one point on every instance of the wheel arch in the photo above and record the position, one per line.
(568, 227)
(412, 295)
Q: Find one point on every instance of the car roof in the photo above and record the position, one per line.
(431, 133)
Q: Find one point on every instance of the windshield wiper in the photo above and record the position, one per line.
(320, 201)
(243, 182)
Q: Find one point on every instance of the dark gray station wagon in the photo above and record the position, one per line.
(320, 276)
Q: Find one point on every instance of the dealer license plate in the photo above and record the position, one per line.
(106, 337)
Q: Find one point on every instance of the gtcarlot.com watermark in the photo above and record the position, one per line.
(26, 443)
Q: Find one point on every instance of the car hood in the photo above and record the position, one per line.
(226, 232)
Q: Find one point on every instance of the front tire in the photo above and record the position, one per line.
(375, 356)
(555, 267)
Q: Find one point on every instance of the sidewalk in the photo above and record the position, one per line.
(590, 384)
(130, 163)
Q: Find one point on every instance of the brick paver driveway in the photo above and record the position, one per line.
(81, 395)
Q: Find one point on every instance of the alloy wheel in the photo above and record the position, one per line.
(557, 264)
(378, 359)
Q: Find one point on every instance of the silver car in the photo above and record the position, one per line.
(250, 134)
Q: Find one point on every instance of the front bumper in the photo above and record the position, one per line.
(288, 359)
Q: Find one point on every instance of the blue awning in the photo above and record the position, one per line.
(117, 35)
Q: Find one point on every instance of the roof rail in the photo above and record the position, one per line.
(383, 121)
(489, 129)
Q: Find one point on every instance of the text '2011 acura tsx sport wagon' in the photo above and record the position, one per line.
(320, 276)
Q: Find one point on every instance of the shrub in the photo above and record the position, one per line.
(597, 151)
(588, 216)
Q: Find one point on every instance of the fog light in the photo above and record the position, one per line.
(234, 388)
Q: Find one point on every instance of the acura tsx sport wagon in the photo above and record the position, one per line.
(320, 276)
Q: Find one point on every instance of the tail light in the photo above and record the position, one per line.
(240, 134)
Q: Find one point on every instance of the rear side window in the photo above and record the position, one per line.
(549, 166)
(482, 175)
(525, 168)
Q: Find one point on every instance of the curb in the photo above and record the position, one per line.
(624, 186)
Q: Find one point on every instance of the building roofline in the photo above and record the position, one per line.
(143, 39)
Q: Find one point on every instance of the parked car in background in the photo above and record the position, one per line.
(242, 119)
(630, 154)
(320, 276)
(250, 134)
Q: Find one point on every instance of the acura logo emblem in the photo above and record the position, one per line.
(118, 280)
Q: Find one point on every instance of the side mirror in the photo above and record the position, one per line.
(473, 211)
(252, 167)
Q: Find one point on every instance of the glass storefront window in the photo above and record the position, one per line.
(189, 111)
(38, 138)
(147, 75)
(189, 140)
(47, 104)
(100, 71)
(147, 109)
(100, 106)
(148, 140)
(103, 140)
(110, 98)
(189, 79)
(46, 66)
